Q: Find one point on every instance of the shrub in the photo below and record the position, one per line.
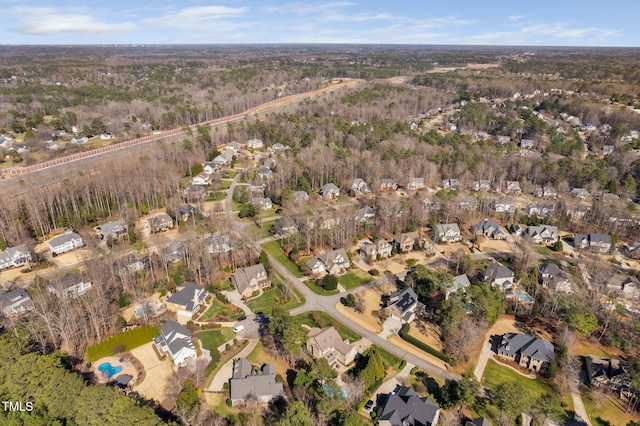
(228, 402)
(279, 378)
(404, 333)
(227, 347)
(374, 272)
(225, 386)
(330, 282)
(350, 300)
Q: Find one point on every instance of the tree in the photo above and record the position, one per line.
(264, 260)
(374, 369)
(509, 398)
(188, 402)
(350, 300)
(288, 334)
(248, 210)
(97, 126)
(296, 414)
(547, 406)
(581, 321)
(330, 282)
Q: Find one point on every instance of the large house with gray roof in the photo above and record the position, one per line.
(459, 283)
(331, 262)
(250, 279)
(247, 383)
(15, 302)
(65, 242)
(593, 241)
(490, 229)
(403, 305)
(529, 352)
(542, 234)
(498, 275)
(187, 299)
(113, 230)
(15, 256)
(70, 285)
(175, 340)
(326, 343)
(407, 408)
(449, 232)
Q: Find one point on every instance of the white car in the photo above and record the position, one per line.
(238, 328)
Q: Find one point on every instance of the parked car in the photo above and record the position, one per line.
(238, 328)
(242, 318)
(368, 406)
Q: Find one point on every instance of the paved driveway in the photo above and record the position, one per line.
(224, 374)
(252, 326)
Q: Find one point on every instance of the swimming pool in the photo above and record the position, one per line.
(524, 297)
(109, 370)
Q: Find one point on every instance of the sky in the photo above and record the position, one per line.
(453, 22)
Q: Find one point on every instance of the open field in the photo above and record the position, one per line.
(212, 339)
(355, 278)
(220, 312)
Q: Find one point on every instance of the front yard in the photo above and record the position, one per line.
(354, 278)
(212, 339)
(218, 311)
(273, 248)
(606, 410)
(322, 320)
(273, 297)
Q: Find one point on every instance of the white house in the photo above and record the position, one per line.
(15, 302)
(175, 341)
(255, 144)
(65, 242)
(14, 256)
(71, 285)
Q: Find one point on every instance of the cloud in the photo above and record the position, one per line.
(543, 34)
(515, 17)
(48, 21)
(197, 19)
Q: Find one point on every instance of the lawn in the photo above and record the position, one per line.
(272, 297)
(265, 228)
(355, 278)
(273, 248)
(546, 251)
(319, 290)
(389, 358)
(216, 196)
(122, 342)
(321, 320)
(221, 311)
(494, 374)
(260, 356)
(214, 338)
(608, 409)
(225, 184)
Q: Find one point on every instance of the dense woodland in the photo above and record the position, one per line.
(380, 129)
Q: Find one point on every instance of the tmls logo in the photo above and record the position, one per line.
(17, 406)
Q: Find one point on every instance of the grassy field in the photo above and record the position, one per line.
(122, 342)
(218, 308)
(355, 278)
(265, 228)
(272, 297)
(494, 374)
(546, 251)
(214, 338)
(319, 290)
(225, 184)
(321, 320)
(607, 411)
(273, 248)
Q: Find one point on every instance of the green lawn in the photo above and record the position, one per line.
(321, 320)
(230, 174)
(273, 297)
(122, 342)
(607, 409)
(225, 184)
(392, 360)
(319, 290)
(494, 374)
(355, 278)
(273, 248)
(265, 228)
(268, 213)
(224, 312)
(214, 338)
(546, 251)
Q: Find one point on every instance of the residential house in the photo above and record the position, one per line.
(482, 185)
(250, 279)
(130, 264)
(609, 198)
(278, 147)
(527, 143)
(15, 302)
(329, 191)
(377, 250)
(258, 186)
(222, 160)
(594, 242)
(449, 232)
(15, 256)
(489, 229)
(543, 234)
(547, 192)
(406, 241)
(403, 305)
(65, 242)
(233, 146)
(406, 408)
(627, 287)
(498, 275)
(218, 244)
(540, 209)
(285, 227)
(631, 250)
(210, 167)
(186, 211)
(468, 203)
(187, 299)
(255, 144)
(480, 421)
(106, 136)
(264, 172)
(503, 205)
(195, 192)
(415, 183)
(114, 230)
(608, 149)
(247, 383)
(5, 141)
(175, 340)
(271, 163)
(79, 140)
(21, 148)
(160, 223)
(451, 184)
(504, 139)
(201, 179)
(529, 352)
(512, 187)
(263, 203)
(359, 185)
(330, 261)
(551, 276)
(577, 211)
(327, 343)
(365, 213)
(388, 184)
(581, 193)
(300, 197)
(607, 373)
(459, 283)
(70, 285)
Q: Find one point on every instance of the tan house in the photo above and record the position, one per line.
(327, 343)
(407, 240)
(250, 279)
(378, 248)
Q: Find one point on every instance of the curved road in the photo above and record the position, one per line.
(315, 302)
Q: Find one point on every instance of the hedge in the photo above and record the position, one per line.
(404, 333)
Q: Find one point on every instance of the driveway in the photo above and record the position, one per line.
(485, 354)
(380, 395)
(224, 374)
(157, 371)
(253, 325)
(578, 408)
(235, 298)
(390, 326)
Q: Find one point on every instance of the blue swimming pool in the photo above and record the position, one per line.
(525, 297)
(109, 370)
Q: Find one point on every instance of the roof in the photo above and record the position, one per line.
(442, 229)
(496, 271)
(480, 421)
(459, 282)
(63, 239)
(176, 336)
(8, 299)
(69, 280)
(403, 300)
(550, 268)
(328, 338)
(407, 408)
(246, 383)
(328, 188)
(113, 227)
(243, 276)
(187, 296)
(518, 343)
